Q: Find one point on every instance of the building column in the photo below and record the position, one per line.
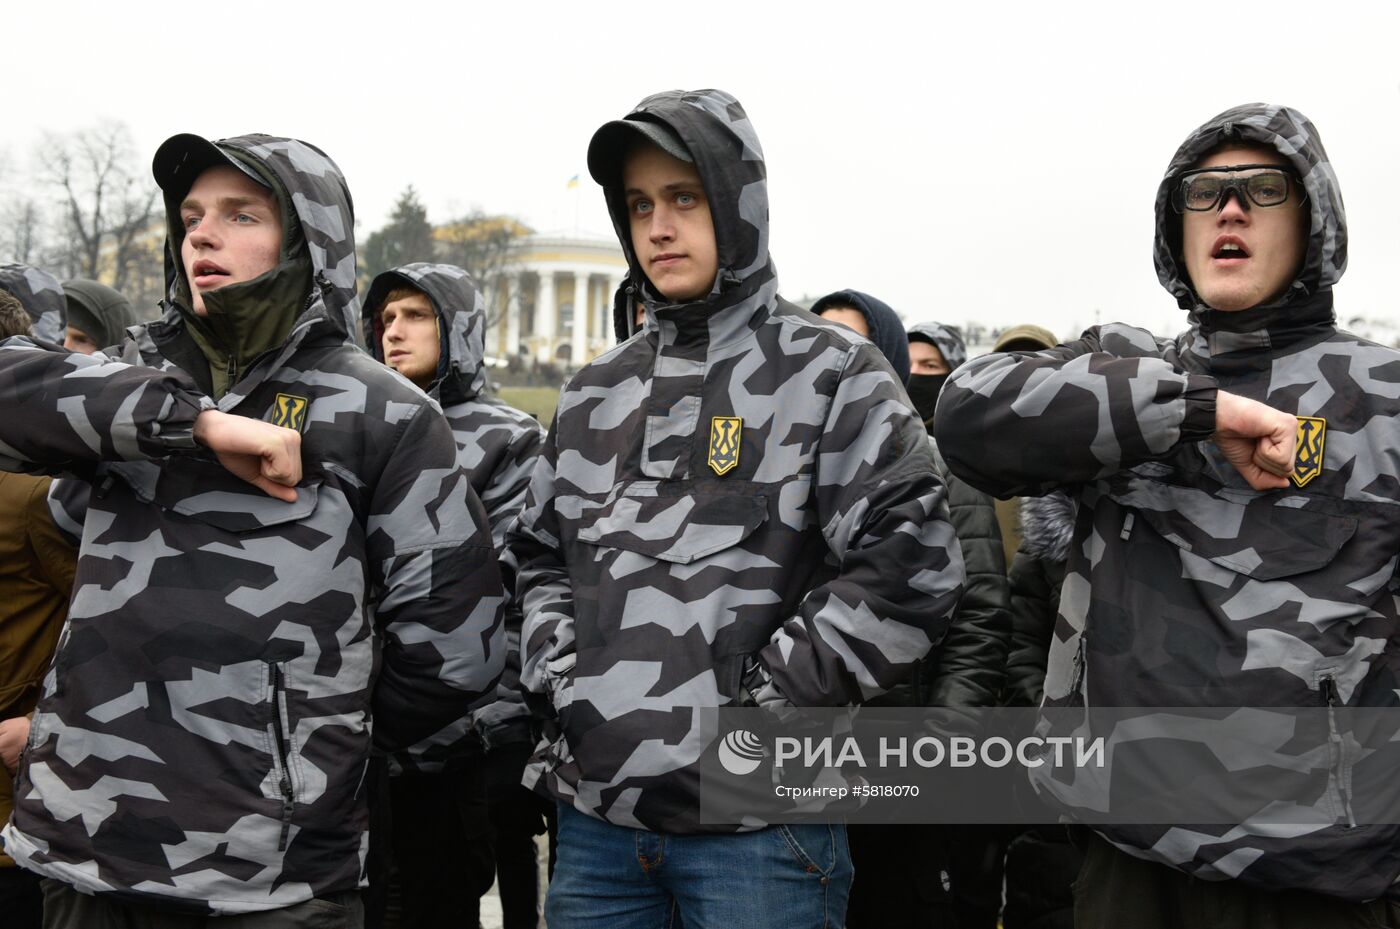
(611, 283)
(580, 334)
(546, 316)
(510, 293)
(603, 324)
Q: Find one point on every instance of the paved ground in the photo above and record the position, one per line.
(491, 903)
(491, 910)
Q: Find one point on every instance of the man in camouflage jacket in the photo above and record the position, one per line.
(201, 739)
(496, 443)
(714, 519)
(1224, 552)
(443, 861)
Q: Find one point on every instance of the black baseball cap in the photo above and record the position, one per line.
(183, 158)
(611, 143)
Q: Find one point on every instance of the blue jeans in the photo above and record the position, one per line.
(612, 877)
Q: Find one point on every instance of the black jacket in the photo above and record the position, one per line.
(969, 665)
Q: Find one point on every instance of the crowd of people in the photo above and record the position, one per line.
(303, 627)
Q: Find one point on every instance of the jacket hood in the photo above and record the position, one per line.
(947, 339)
(101, 312)
(41, 296)
(1294, 137)
(461, 312)
(718, 134)
(312, 191)
(886, 328)
(623, 309)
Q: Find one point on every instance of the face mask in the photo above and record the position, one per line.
(923, 391)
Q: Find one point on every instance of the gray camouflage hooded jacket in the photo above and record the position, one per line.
(496, 443)
(202, 735)
(42, 297)
(1184, 586)
(717, 510)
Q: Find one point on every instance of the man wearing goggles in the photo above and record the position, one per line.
(1202, 189)
(1237, 518)
(1236, 256)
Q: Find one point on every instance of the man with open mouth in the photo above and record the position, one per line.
(281, 561)
(1237, 518)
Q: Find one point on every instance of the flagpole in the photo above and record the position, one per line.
(573, 185)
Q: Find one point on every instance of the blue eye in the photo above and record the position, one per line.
(686, 199)
(191, 221)
(642, 206)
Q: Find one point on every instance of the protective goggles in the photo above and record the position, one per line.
(1202, 189)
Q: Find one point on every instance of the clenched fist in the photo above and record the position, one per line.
(1257, 439)
(13, 734)
(264, 455)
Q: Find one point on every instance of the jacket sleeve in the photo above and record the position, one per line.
(65, 411)
(884, 515)
(1026, 422)
(544, 592)
(970, 662)
(1034, 602)
(439, 600)
(504, 496)
(68, 505)
(506, 719)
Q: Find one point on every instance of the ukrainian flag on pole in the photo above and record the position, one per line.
(573, 183)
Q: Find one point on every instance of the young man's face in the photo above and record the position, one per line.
(925, 358)
(76, 340)
(233, 231)
(849, 317)
(672, 231)
(411, 344)
(1238, 258)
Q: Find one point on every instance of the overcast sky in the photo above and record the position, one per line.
(970, 161)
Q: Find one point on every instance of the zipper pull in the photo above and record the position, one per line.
(1079, 663)
(1329, 691)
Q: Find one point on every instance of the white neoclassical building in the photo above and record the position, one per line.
(554, 303)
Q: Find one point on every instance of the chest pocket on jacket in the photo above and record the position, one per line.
(1266, 537)
(678, 528)
(674, 559)
(206, 491)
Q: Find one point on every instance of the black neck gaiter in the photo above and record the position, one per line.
(923, 391)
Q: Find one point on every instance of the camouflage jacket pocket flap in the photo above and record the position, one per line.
(206, 491)
(678, 529)
(1266, 538)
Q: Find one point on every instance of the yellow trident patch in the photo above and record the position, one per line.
(725, 432)
(289, 412)
(1307, 460)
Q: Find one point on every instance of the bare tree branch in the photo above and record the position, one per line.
(488, 247)
(108, 209)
